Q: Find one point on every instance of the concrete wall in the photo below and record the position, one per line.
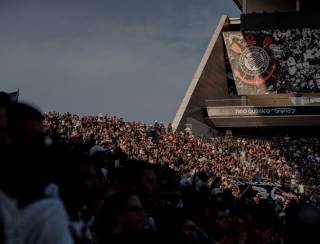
(209, 81)
(260, 6)
(269, 100)
(200, 129)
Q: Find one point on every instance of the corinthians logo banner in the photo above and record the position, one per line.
(275, 61)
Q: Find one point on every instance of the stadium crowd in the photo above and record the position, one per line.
(294, 161)
(97, 179)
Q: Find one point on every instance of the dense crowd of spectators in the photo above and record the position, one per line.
(97, 179)
(294, 161)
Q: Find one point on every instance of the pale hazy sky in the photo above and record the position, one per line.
(130, 58)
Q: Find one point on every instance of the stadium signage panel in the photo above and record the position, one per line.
(238, 111)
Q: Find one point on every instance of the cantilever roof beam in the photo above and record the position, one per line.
(239, 3)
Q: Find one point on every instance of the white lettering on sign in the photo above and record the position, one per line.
(267, 111)
(284, 110)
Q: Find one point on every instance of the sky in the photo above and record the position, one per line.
(129, 58)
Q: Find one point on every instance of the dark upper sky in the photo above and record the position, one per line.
(130, 58)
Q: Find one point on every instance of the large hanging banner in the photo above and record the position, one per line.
(275, 61)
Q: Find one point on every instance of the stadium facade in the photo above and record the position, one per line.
(260, 71)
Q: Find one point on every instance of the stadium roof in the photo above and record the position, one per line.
(239, 3)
